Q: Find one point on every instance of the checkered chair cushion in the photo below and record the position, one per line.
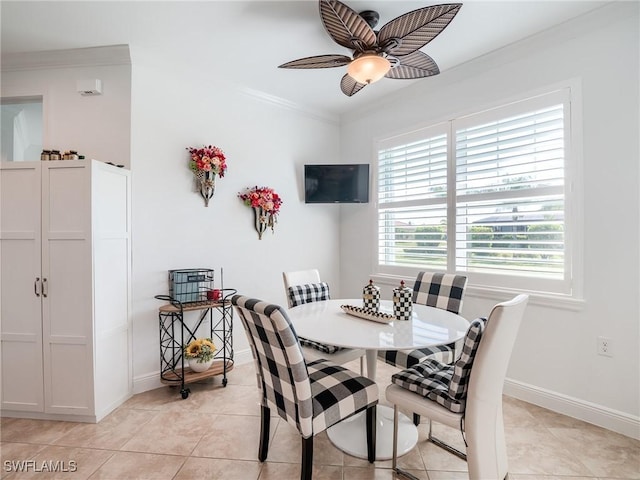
(409, 358)
(337, 393)
(442, 383)
(310, 397)
(440, 290)
(462, 367)
(323, 347)
(311, 292)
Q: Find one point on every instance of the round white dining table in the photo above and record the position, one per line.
(326, 322)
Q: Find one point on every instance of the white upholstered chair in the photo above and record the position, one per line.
(479, 412)
(304, 286)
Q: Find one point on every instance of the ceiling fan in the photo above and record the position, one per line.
(391, 52)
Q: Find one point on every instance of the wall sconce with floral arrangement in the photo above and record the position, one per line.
(265, 203)
(206, 163)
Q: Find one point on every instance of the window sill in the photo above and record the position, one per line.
(498, 294)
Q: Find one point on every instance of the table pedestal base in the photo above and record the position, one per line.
(350, 435)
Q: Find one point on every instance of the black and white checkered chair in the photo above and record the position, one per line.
(467, 394)
(304, 286)
(310, 396)
(440, 290)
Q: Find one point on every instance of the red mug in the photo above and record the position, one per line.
(214, 295)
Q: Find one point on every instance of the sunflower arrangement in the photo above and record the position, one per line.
(201, 348)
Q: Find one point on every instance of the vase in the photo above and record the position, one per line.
(207, 184)
(260, 217)
(196, 366)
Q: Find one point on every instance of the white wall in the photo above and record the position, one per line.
(266, 145)
(164, 109)
(554, 361)
(97, 127)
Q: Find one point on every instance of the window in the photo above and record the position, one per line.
(482, 195)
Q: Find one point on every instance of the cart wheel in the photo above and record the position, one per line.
(224, 382)
(185, 393)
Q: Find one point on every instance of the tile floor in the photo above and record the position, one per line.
(214, 435)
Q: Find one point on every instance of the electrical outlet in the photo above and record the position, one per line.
(605, 347)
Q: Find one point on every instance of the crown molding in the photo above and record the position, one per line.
(75, 57)
(282, 103)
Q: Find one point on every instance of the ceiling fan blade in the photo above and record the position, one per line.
(319, 61)
(417, 28)
(415, 65)
(346, 26)
(349, 86)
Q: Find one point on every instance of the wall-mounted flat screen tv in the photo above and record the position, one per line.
(337, 183)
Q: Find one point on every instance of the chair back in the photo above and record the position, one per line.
(299, 277)
(280, 366)
(492, 358)
(440, 290)
(483, 420)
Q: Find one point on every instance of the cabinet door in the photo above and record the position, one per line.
(20, 287)
(67, 311)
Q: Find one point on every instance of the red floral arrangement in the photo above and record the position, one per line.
(262, 197)
(207, 159)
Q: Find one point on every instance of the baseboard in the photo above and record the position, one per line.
(100, 414)
(151, 381)
(61, 417)
(604, 417)
(242, 357)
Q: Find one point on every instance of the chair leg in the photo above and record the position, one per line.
(371, 434)
(263, 450)
(444, 445)
(362, 365)
(307, 459)
(416, 419)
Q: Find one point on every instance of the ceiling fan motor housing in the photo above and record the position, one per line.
(371, 17)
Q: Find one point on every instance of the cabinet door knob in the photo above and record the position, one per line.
(36, 286)
(45, 288)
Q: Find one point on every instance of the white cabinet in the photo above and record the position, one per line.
(65, 258)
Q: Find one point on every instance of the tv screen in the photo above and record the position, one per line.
(338, 183)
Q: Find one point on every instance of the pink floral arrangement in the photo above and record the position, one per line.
(207, 159)
(262, 197)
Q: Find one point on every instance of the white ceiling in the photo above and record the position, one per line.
(244, 41)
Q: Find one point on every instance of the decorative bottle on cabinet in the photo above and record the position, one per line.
(371, 296)
(402, 302)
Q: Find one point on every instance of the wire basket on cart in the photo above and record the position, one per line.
(192, 285)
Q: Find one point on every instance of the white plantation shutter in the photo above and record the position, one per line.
(416, 171)
(412, 199)
(487, 199)
(510, 193)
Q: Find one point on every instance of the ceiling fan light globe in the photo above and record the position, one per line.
(368, 68)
